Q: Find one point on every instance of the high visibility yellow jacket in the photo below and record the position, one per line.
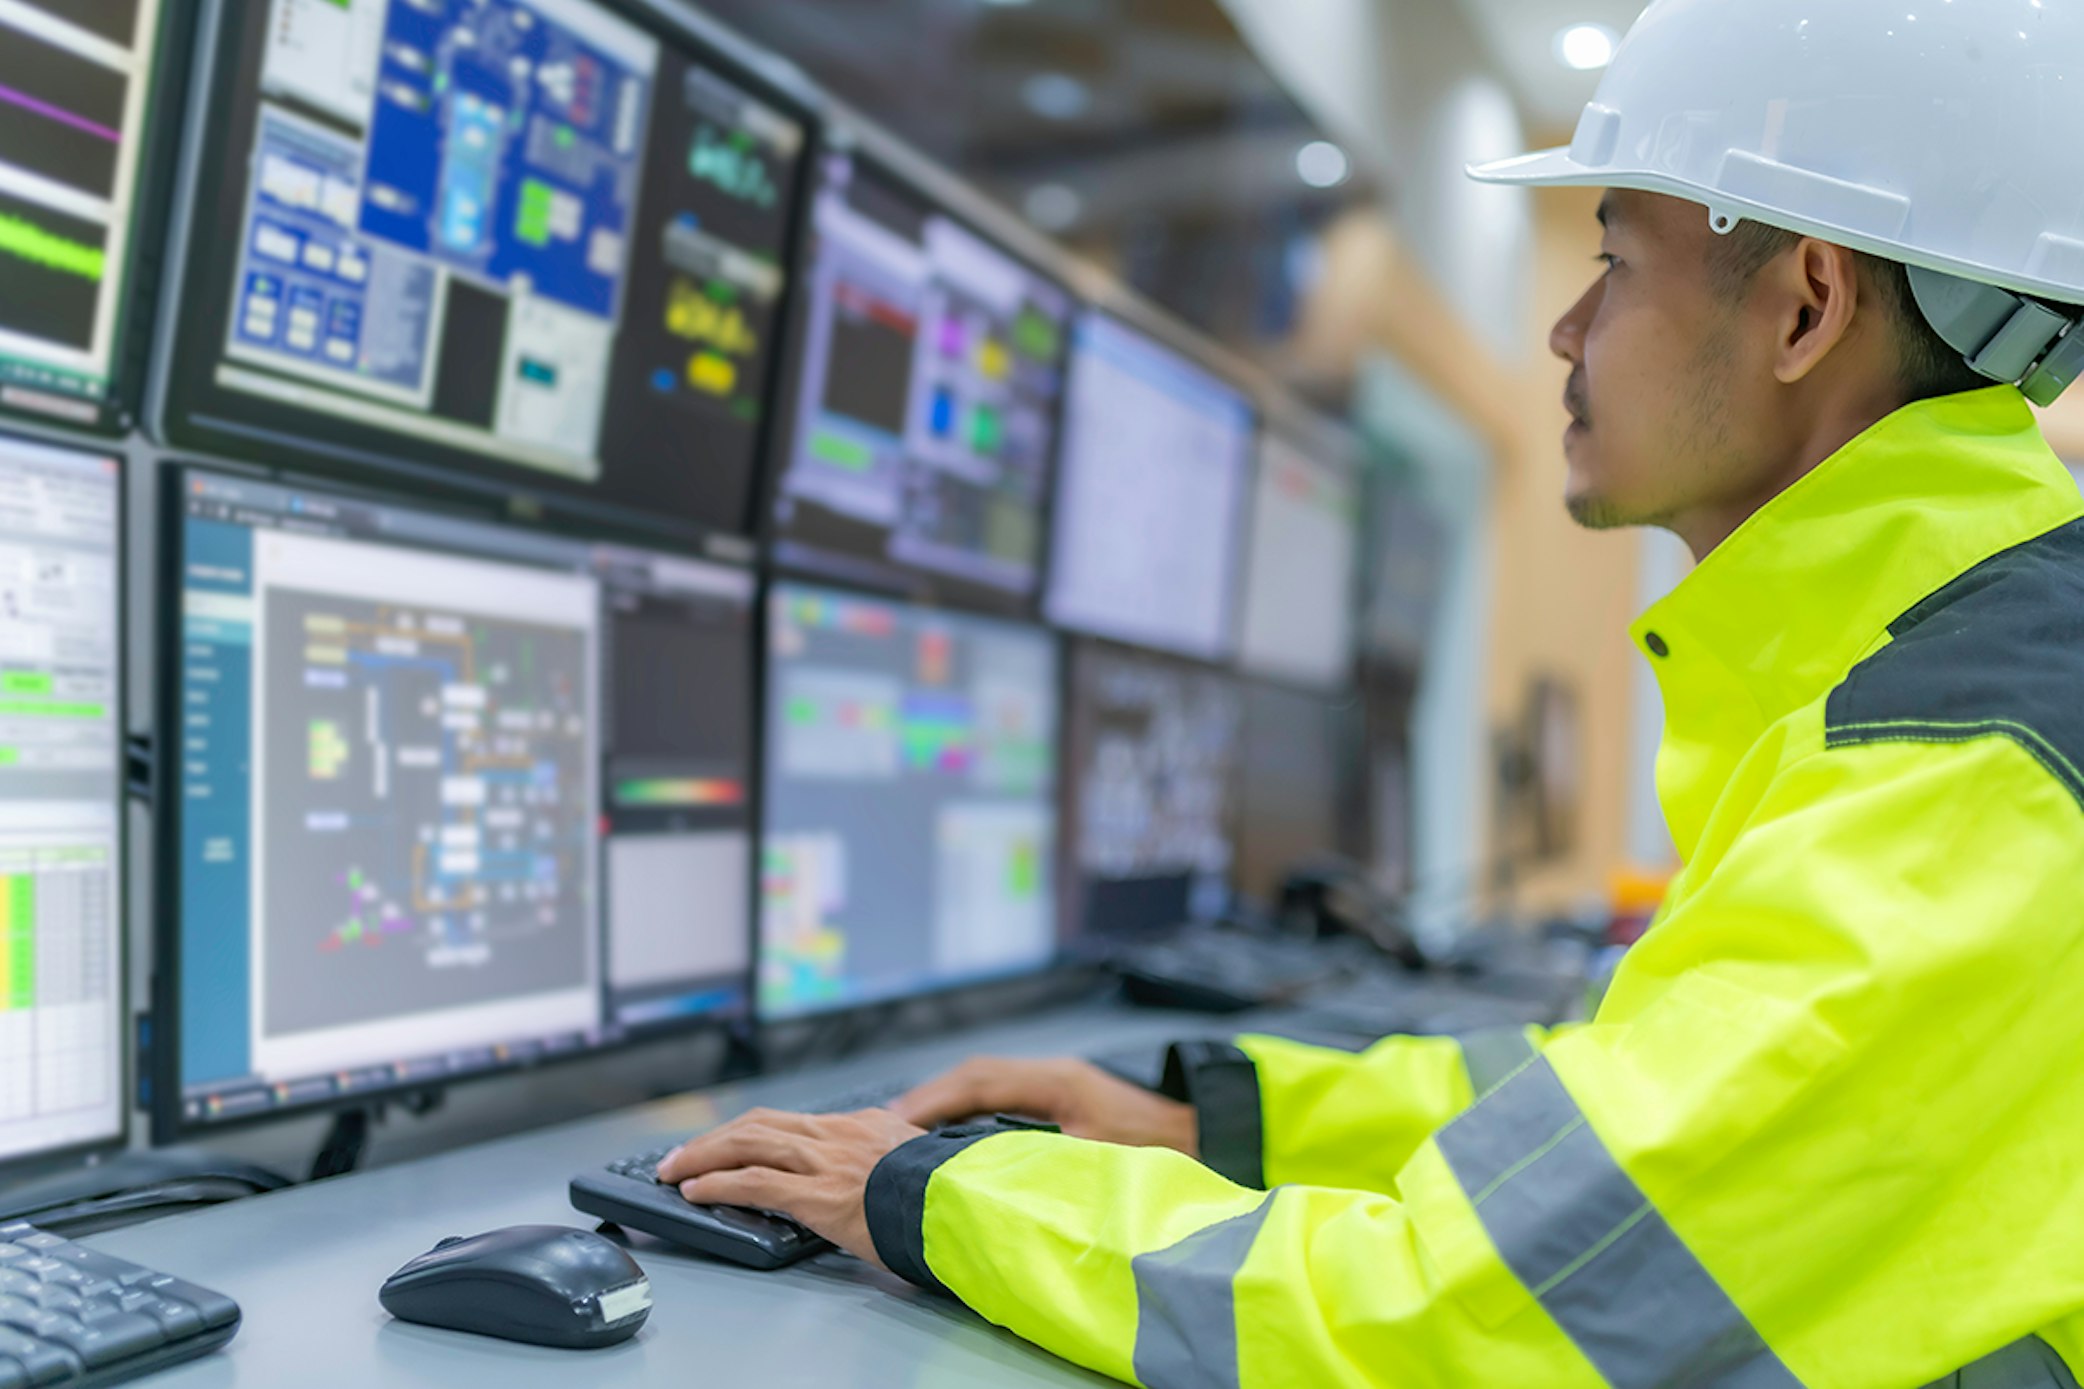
(1827, 1126)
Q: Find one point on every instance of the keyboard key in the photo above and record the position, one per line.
(16, 1284)
(41, 1242)
(50, 1326)
(40, 1363)
(10, 1253)
(80, 1280)
(55, 1299)
(101, 1265)
(110, 1339)
(178, 1318)
(39, 1267)
(215, 1309)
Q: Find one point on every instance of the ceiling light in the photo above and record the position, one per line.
(1322, 164)
(1586, 47)
(1053, 207)
(1057, 96)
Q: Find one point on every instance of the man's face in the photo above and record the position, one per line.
(1666, 386)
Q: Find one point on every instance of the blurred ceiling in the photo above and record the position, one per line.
(1521, 35)
(1144, 133)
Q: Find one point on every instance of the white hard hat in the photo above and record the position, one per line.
(1947, 135)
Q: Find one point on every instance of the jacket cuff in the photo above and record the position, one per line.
(1222, 1084)
(895, 1202)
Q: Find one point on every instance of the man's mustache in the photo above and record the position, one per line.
(1574, 398)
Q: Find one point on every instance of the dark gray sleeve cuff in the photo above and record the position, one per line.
(1223, 1086)
(895, 1202)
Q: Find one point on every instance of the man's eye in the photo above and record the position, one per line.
(1607, 260)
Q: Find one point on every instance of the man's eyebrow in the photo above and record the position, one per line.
(1608, 212)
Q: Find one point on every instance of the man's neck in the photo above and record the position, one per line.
(1830, 430)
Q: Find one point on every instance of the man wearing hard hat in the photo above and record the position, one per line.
(1827, 1128)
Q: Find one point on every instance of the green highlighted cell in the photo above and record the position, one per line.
(50, 709)
(841, 452)
(17, 942)
(532, 220)
(25, 682)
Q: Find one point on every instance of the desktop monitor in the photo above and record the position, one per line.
(528, 246)
(1301, 566)
(1152, 801)
(910, 801)
(922, 432)
(1410, 548)
(446, 797)
(1149, 509)
(63, 1023)
(1301, 793)
(79, 147)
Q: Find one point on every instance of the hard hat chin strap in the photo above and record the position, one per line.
(2004, 336)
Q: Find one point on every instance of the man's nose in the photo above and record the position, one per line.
(1567, 338)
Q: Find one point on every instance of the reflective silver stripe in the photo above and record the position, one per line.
(1186, 1305)
(2028, 1364)
(1595, 1253)
(1493, 1055)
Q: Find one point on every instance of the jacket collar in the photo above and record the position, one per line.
(1776, 616)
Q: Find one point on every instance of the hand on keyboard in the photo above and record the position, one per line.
(1077, 1096)
(812, 1168)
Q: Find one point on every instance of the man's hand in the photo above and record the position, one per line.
(811, 1167)
(1077, 1096)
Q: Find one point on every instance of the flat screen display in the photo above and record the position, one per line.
(527, 245)
(431, 819)
(76, 97)
(1153, 798)
(1150, 508)
(923, 429)
(63, 1024)
(1301, 566)
(910, 800)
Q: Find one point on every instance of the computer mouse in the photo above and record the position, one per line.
(544, 1284)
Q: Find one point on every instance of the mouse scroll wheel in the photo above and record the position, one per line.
(452, 1239)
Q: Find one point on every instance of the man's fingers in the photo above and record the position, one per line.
(761, 1187)
(743, 1143)
(973, 1088)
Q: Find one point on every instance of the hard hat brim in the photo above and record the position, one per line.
(1555, 168)
(1542, 169)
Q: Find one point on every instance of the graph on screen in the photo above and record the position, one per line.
(74, 82)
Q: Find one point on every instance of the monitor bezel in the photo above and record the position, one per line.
(188, 413)
(128, 1065)
(1058, 957)
(896, 164)
(164, 1063)
(1172, 340)
(116, 412)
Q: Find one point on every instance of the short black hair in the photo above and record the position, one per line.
(1926, 366)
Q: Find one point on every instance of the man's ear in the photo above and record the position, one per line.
(1816, 289)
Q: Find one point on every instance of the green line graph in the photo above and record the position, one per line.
(25, 240)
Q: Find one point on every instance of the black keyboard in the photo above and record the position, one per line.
(628, 1192)
(71, 1316)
